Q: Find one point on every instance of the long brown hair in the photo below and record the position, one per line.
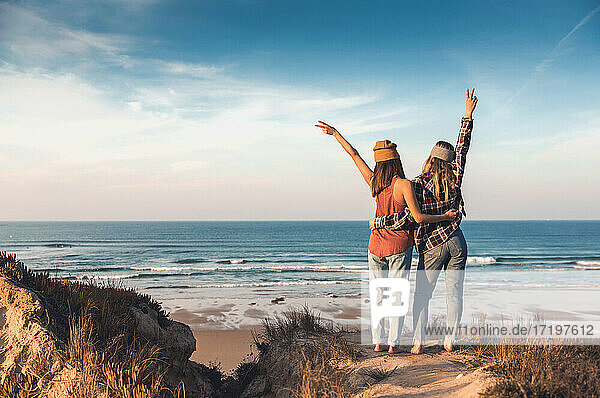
(444, 179)
(384, 173)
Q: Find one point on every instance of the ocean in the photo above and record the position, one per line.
(292, 259)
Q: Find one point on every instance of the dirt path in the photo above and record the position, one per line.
(435, 373)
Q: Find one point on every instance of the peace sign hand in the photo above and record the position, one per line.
(327, 129)
(471, 103)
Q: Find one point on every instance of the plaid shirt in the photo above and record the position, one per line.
(428, 236)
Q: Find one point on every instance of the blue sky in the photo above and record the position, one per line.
(177, 110)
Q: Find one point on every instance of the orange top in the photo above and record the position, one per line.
(385, 242)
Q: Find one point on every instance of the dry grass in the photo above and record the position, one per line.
(293, 324)
(106, 304)
(376, 375)
(245, 373)
(300, 353)
(27, 382)
(542, 370)
(117, 371)
(104, 358)
(318, 378)
(304, 355)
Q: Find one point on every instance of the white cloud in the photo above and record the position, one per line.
(135, 106)
(66, 115)
(35, 40)
(567, 155)
(549, 60)
(193, 70)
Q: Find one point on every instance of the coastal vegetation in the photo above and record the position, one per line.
(542, 370)
(79, 339)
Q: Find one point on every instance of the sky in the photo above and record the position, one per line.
(205, 110)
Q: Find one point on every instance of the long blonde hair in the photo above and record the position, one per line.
(444, 179)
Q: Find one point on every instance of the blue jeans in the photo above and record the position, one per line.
(394, 266)
(452, 257)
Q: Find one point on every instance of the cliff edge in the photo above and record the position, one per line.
(66, 338)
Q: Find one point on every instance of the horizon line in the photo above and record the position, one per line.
(285, 220)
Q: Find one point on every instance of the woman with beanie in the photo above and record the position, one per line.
(441, 246)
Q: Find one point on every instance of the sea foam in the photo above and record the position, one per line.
(470, 260)
(587, 262)
(269, 284)
(587, 265)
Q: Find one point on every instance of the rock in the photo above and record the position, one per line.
(27, 344)
(176, 339)
(177, 343)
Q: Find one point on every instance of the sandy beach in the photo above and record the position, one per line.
(228, 348)
(223, 328)
(218, 345)
(223, 331)
(228, 314)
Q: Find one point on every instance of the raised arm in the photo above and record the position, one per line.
(403, 191)
(363, 167)
(464, 137)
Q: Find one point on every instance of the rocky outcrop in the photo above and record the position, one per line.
(177, 343)
(28, 347)
(175, 338)
(42, 353)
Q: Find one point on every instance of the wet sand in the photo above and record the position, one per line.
(229, 314)
(226, 347)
